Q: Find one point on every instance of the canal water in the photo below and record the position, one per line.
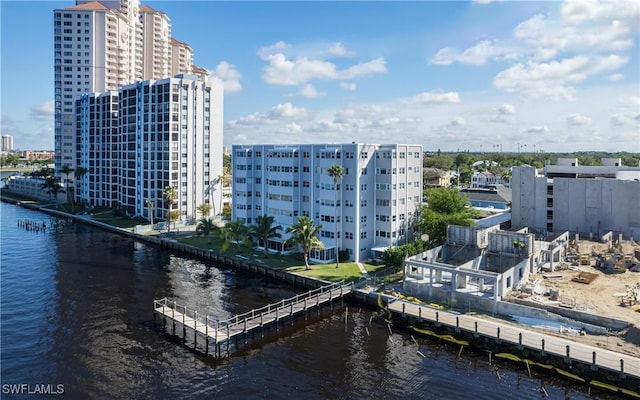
(77, 318)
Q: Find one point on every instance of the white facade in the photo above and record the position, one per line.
(156, 37)
(7, 143)
(181, 57)
(374, 206)
(99, 47)
(590, 200)
(485, 179)
(170, 135)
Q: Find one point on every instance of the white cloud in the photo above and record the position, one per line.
(426, 98)
(537, 130)
(506, 109)
(338, 50)
(615, 77)
(545, 38)
(287, 65)
(281, 71)
(553, 80)
(308, 91)
(350, 86)
(280, 113)
(457, 122)
(229, 76)
(577, 11)
(477, 55)
(43, 111)
(578, 119)
(626, 118)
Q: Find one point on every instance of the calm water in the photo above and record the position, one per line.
(77, 311)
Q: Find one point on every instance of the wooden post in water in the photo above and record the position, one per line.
(245, 331)
(184, 326)
(520, 341)
(195, 329)
(173, 318)
(164, 318)
(206, 335)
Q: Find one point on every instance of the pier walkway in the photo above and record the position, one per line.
(568, 349)
(218, 332)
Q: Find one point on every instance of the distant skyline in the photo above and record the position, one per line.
(450, 75)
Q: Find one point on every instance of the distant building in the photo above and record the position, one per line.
(377, 199)
(590, 200)
(435, 177)
(486, 179)
(497, 198)
(30, 155)
(7, 144)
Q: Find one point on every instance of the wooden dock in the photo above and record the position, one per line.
(569, 350)
(218, 332)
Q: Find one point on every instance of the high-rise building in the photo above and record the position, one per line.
(150, 135)
(7, 143)
(99, 47)
(372, 207)
(97, 135)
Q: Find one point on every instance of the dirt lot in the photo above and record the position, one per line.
(603, 295)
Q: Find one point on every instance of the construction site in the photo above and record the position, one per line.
(594, 278)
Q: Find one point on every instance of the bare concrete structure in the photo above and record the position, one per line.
(588, 200)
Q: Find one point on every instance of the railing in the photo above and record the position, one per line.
(286, 306)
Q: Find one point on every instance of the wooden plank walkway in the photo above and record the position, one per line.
(520, 336)
(217, 332)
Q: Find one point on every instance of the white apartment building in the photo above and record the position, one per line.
(486, 179)
(99, 47)
(6, 144)
(373, 207)
(590, 200)
(170, 135)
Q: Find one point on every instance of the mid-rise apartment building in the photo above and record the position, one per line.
(99, 47)
(590, 200)
(372, 207)
(150, 135)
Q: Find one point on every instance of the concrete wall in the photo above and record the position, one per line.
(596, 205)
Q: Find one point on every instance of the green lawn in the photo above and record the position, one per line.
(347, 271)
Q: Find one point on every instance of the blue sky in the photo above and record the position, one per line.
(451, 75)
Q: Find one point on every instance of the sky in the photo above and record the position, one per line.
(511, 76)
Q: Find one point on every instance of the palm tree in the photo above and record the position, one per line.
(205, 227)
(336, 172)
(235, 232)
(204, 209)
(305, 233)
(79, 173)
(170, 194)
(150, 206)
(264, 230)
(67, 170)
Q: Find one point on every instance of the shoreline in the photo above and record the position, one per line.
(613, 343)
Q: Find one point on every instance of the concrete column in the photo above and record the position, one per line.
(454, 276)
(481, 284)
(430, 282)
